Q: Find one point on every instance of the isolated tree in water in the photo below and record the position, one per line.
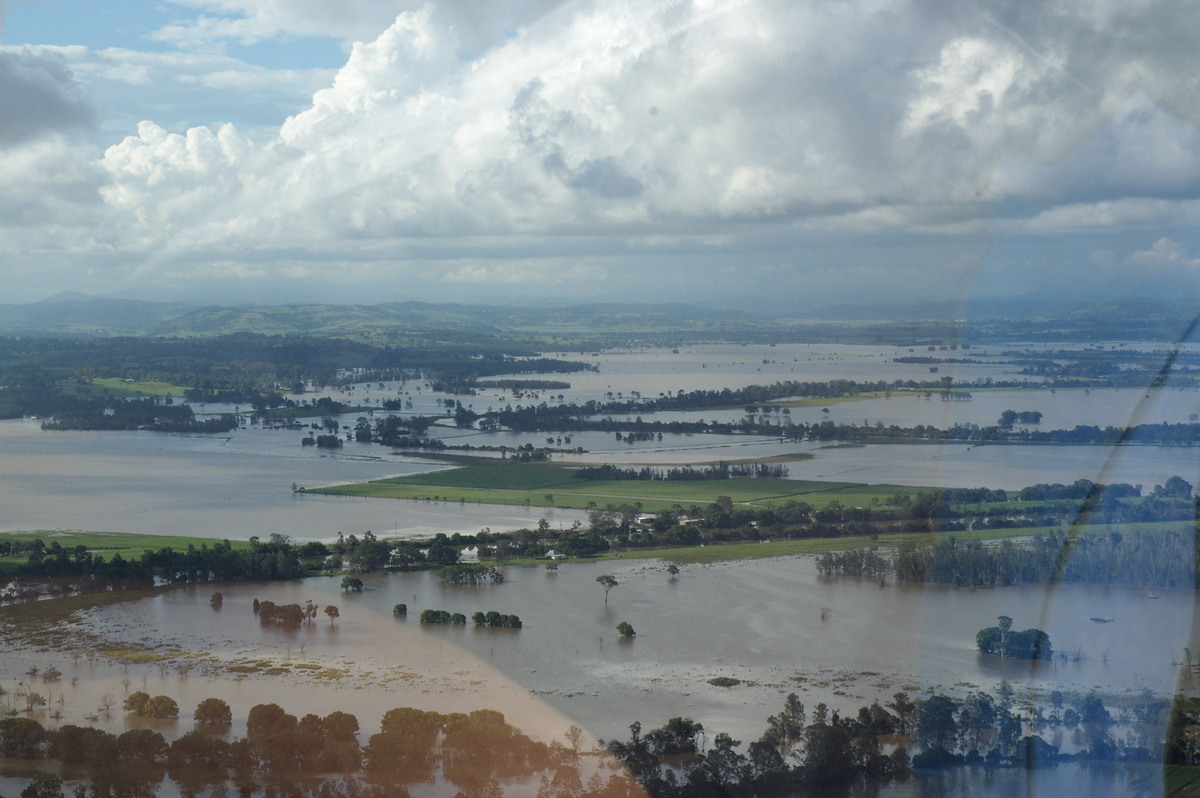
(609, 582)
(332, 612)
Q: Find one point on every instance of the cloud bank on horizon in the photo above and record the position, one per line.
(685, 149)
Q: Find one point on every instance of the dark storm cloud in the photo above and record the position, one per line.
(38, 96)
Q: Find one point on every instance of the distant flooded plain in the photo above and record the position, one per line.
(775, 626)
(240, 484)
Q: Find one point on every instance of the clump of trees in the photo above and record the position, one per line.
(1141, 558)
(323, 441)
(1001, 639)
(289, 616)
(159, 706)
(470, 575)
(721, 470)
(442, 616)
(1010, 417)
(496, 620)
(212, 713)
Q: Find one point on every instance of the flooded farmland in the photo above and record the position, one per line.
(771, 626)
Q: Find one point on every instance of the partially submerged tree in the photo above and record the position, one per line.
(609, 582)
(212, 713)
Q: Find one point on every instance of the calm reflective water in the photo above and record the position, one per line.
(230, 486)
(1095, 780)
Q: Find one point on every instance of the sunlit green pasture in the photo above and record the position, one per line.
(115, 386)
(537, 485)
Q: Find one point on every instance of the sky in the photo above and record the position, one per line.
(779, 152)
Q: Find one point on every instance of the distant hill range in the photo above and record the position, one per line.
(73, 313)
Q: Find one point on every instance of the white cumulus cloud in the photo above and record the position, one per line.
(535, 138)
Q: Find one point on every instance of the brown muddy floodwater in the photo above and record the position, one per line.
(775, 625)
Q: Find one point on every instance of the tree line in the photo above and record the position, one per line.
(1164, 560)
(1158, 558)
(478, 752)
(722, 470)
(276, 558)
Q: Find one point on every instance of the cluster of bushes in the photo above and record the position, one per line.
(145, 705)
(493, 618)
(470, 575)
(289, 616)
(497, 620)
(721, 470)
(1003, 640)
(323, 441)
(442, 616)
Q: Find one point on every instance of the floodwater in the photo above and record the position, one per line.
(216, 486)
(776, 625)
(1093, 779)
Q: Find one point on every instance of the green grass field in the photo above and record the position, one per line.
(115, 386)
(539, 485)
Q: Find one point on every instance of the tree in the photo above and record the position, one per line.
(936, 727)
(22, 738)
(198, 750)
(673, 569)
(338, 725)
(400, 609)
(332, 612)
(34, 701)
(574, 736)
(906, 711)
(264, 719)
(213, 713)
(43, 785)
(161, 706)
(1004, 623)
(828, 755)
(1029, 644)
(136, 702)
(143, 746)
(625, 629)
(677, 736)
(352, 583)
(787, 727)
(609, 582)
